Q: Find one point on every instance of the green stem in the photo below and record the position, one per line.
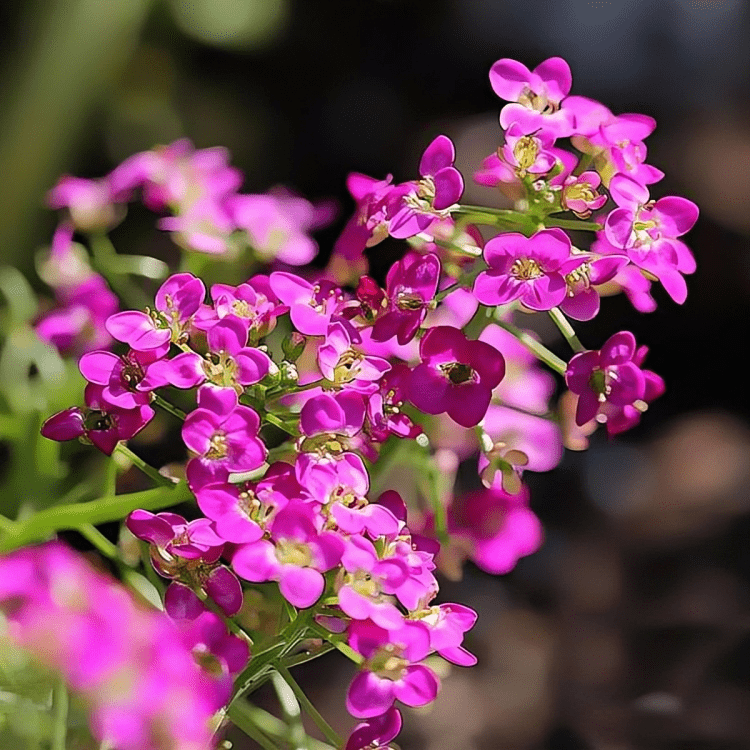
(566, 329)
(162, 403)
(538, 350)
(582, 226)
(147, 469)
(231, 624)
(60, 717)
(47, 522)
(328, 731)
(100, 542)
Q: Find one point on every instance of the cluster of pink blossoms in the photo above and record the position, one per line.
(147, 680)
(359, 366)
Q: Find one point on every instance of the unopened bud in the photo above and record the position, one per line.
(293, 345)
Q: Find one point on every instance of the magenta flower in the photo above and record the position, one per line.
(370, 582)
(384, 414)
(90, 203)
(278, 225)
(222, 433)
(177, 300)
(227, 364)
(346, 366)
(101, 424)
(580, 195)
(376, 732)
(187, 552)
(536, 95)
(431, 197)
(253, 304)
(608, 375)
(582, 299)
(495, 527)
(118, 376)
(411, 286)
(448, 623)
(531, 270)
(340, 414)
(376, 202)
(456, 375)
(647, 231)
(204, 227)
(529, 152)
(297, 556)
(390, 672)
(311, 306)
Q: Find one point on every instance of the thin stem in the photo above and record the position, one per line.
(146, 468)
(244, 720)
(566, 329)
(538, 350)
(162, 403)
(330, 734)
(582, 226)
(292, 712)
(93, 535)
(277, 422)
(60, 717)
(46, 522)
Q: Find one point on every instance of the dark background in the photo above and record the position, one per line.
(631, 627)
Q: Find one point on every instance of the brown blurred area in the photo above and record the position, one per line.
(630, 629)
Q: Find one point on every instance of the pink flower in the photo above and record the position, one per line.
(177, 300)
(376, 732)
(311, 306)
(647, 231)
(456, 375)
(528, 151)
(343, 364)
(297, 556)
(440, 187)
(531, 270)
(390, 672)
(537, 95)
(223, 433)
(579, 194)
(90, 202)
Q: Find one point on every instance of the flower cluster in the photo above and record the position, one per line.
(296, 381)
(150, 683)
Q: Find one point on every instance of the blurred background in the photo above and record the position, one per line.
(631, 627)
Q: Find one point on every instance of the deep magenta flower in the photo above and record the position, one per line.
(384, 413)
(339, 414)
(297, 555)
(375, 733)
(536, 95)
(390, 672)
(456, 375)
(608, 375)
(582, 299)
(411, 285)
(101, 423)
(448, 623)
(495, 528)
(223, 433)
(177, 300)
(431, 197)
(531, 270)
(647, 232)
